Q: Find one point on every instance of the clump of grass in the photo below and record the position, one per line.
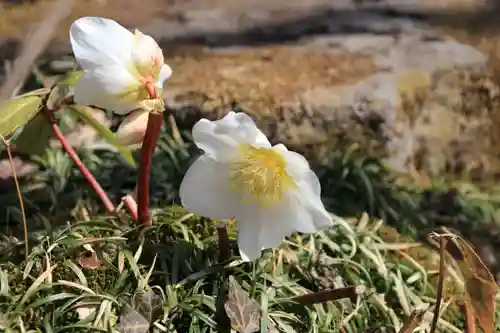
(175, 265)
(173, 268)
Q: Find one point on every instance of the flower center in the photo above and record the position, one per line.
(259, 175)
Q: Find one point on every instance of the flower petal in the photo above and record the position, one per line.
(165, 73)
(296, 164)
(205, 190)
(97, 41)
(220, 138)
(249, 231)
(266, 227)
(310, 194)
(133, 128)
(110, 88)
(145, 49)
(262, 228)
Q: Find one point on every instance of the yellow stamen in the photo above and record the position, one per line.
(259, 175)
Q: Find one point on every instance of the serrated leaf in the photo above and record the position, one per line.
(57, 96)
(85, 113)
(243, 312)
(17, 111)
(35, 136)
(62, 90)
(480, 285)
(132, 321)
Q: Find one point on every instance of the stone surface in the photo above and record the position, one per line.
(395, 96)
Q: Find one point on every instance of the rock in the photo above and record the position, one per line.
(400, 98)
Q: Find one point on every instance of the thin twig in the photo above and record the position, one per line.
(351, 292)
(83, 169)
(440, 287)
(19, 197)
(34, 45)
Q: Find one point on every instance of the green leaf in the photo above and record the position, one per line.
(62, 90)
(72, 78)
(35, 136)
(42, 92)
(85, 113)
(17, 111)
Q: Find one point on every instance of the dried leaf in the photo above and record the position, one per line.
(148, 304)
(17, 111)
(480, 285)
(243, 312)
(85, 113)
(146, 308)
(131, 321)
(35, 136)
(85, 311)
(89, 259)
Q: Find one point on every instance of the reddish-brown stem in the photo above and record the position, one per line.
(83, 169)
(155, 122)
(130, 206)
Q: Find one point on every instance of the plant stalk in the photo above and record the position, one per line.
(78, 162)
(153, 128)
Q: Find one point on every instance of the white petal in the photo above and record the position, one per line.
(249, 238)
(266, 227)
(102, 86)
(133, 128)
(296, 164)
(205, 190)
(310, 193)
(220, 138)
(98, 41)
(165, 73)
(262, 228)
(145, 48)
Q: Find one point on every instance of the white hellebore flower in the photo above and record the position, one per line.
(269, 190)
(119, 66)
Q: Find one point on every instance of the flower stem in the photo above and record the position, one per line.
(83, 169)
(224, 245)
(155, 122)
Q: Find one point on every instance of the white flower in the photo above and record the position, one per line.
(269, 190)
(118, 65)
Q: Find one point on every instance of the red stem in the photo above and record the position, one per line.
(83, 169)
(130, 206)
(155, 122)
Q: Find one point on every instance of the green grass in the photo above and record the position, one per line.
(168, 278)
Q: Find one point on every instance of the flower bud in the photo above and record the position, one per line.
(132, 130)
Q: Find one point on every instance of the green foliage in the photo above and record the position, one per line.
(85, 113)
(168, 277)
(35, 136)
(19, 110)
